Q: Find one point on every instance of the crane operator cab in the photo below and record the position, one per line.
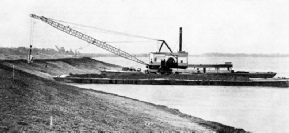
(163, 62)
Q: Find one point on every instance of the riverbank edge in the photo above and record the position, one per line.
(42, 71)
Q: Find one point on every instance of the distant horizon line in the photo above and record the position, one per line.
(201, 54)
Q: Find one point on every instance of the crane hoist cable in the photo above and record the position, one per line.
(107, 31)
(31, 31)
(31, 37)
(126, 41)
(113, 41)
(110, 33)
(119, 33)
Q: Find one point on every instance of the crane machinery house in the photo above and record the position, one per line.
(173, 60)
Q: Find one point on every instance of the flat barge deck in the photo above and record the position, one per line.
(270, 82)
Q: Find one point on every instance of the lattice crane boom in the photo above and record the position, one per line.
(88, 39)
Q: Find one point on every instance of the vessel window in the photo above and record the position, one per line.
(182, 60)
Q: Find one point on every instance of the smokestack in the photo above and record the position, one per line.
(180, 46)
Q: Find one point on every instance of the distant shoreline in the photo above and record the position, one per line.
(22, 53)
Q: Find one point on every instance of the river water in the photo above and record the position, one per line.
(256, 109)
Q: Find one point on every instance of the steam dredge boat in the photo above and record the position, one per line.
(177, 63)
(163, 63)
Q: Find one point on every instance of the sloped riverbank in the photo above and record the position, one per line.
(29, 97)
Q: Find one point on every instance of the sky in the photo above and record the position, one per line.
(224, 26)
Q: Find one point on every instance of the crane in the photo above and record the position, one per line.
(89, 39)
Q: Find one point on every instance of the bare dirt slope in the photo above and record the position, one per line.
(48, 68)
(29, 100)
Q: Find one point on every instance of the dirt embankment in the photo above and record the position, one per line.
(48, 68)
(29, 98)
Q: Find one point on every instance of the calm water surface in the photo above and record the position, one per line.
(256, 109)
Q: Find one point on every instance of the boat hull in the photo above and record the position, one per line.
(256, 75)
(249, 75)
(233, 74)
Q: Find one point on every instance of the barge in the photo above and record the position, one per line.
(270, 82)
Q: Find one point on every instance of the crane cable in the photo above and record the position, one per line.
(31, 31)
(107, 31)
(110, 41)
(32, 35)
(125, 41)
(157, 46)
